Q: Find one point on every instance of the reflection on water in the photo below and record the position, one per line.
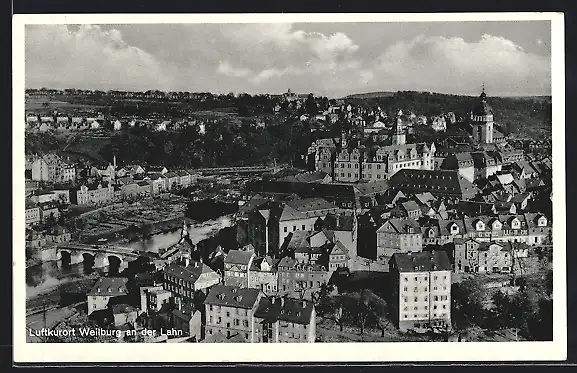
(47, 275)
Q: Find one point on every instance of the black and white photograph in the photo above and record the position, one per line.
(283, 179)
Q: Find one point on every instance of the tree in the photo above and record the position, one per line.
(467, 304)
(146, 230)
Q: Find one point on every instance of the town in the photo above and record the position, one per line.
(286, 218)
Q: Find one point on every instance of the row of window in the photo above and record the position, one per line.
(236, 322)
(424, 315)
(425, 278)
(239, 311)
(416, 308)
(426, 299)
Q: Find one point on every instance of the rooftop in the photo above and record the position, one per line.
(109, 286)
(421, 261)
(232, 296)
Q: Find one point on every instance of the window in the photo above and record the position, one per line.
(416, 299)
(285, 229)
(416, 289)
(416, 308)
(436, 298)
(303, 227)
(405, 288)
(406, 279)
(219, 320)
(227, 314)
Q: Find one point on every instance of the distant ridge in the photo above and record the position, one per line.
(382, 94)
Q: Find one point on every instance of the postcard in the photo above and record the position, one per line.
(365, 187)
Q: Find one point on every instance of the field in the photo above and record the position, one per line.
(48, 105)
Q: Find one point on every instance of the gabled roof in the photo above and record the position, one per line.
(410, 206)
(239, 257)
(110, 286)
(286, 309)
(232, 296)
(400, 225)
(190, 273)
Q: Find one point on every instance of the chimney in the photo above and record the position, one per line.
(272, 299)
(282, 301)
(304, 304)
(195, 264)
(186, 261)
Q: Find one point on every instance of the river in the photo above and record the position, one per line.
(48, 276)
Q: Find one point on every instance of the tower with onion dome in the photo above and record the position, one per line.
(481, 120)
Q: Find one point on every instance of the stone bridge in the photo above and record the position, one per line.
(101, 255)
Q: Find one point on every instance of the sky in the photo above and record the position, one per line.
(328, 59)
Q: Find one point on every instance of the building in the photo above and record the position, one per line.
(481, 121)
(52, 168)
(58, 234)
(230, 310)
(462, 162)
(271, 223)
(422, 291)
(153, 298)
(32, 214)
(398, 235)
(106, 289)
(299, 278)
(285, 320)
(186, 280)
(440, 183)
(472, 256)
(94, 194)
(237, 266)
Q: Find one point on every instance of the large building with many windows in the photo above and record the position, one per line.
(422, 291)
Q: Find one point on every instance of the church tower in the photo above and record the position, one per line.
(482, 121)
(399, 137)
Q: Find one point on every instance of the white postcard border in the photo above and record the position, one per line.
(318, 352)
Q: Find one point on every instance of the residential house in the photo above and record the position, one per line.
(230, 310)
(189, 281)
(53, 168)
(106, 289)
(263, 275)
(58, 234)
(422, 291)
(472, 256)
(185, 178)
(401, 235)
(285, 320)
(237, 266)
(124, 314)
(32, 214)
(172, 179)
(94, 194)
(48, 210)
(295, 277)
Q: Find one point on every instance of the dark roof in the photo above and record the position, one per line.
(109, 286)
(434, 181)
(421, 261)
(238, 257)
(232, 296)
(284, 309)
(190, 273)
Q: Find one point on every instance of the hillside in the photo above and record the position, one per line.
(369, 95)
(520, 116)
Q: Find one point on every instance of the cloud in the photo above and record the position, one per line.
(273, 57)
(90, 57)
(455, 65)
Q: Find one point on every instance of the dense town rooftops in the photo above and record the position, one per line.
(286, 309)
(421, 261)
(232, 296)
(109, 286)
